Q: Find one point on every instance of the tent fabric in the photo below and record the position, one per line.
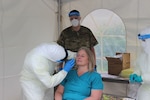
(25, 24)
(132, 12)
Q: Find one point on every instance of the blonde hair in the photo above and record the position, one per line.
(90, 58)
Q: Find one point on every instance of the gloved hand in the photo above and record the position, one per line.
(132, 77)
(138, 79)
(69, 64)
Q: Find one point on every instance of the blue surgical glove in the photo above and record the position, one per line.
(138, 79)
(69, 64)
(132, 77)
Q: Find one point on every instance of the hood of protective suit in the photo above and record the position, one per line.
(146, 43)
(52, 51)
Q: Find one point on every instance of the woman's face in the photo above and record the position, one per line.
(82, 58)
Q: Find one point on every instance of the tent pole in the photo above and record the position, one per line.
(59, 16)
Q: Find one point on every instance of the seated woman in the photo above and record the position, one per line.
(81, 83)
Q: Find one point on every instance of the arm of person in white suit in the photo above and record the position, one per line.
(41, 71)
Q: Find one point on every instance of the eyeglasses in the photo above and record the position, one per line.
(143, 37)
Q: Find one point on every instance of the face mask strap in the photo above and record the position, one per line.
(143, 37)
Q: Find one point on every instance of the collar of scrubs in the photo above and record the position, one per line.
(143, 37)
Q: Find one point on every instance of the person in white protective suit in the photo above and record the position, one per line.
(142, 69)
(38, 71)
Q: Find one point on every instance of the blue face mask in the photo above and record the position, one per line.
(59, 61)
(143, 37)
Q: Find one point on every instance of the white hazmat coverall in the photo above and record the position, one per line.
(143, 66)
(37, 74)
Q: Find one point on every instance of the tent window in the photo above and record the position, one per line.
(109, 30)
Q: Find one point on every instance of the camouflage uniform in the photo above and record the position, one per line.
(73, 40)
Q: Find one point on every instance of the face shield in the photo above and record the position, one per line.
(143, 37)
(145, 42)
(64, 59)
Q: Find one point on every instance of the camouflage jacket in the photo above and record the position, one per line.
(73, 40)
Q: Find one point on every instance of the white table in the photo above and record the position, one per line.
(115, 85)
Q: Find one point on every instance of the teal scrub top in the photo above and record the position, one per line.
(79, 87)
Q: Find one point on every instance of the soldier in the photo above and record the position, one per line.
(76, 36)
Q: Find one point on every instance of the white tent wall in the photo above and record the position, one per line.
(27, 23)
(24, 24)
(134, 14)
